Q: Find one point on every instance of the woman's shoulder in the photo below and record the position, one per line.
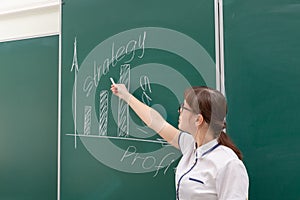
(223, 155)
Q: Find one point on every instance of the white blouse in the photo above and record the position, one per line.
(210, 172)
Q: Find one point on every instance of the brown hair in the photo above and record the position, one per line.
(211, 104)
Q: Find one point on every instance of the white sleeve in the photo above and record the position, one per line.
(232, 181)
(185, 142)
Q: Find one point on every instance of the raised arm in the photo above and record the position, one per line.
(150, 116)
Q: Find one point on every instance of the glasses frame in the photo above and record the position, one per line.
(181, 108)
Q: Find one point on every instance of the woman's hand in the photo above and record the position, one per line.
(121, 91)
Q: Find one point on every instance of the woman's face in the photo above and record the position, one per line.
(187, 119)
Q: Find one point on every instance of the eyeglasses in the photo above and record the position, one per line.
(181, 107)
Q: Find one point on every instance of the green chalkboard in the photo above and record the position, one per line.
(28, 118)
(158, 49)
(262, 70)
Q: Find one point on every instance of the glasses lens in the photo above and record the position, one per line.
(180, 107)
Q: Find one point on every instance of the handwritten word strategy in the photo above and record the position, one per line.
(117, 55)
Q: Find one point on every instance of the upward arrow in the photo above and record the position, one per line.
(75, 65)
(75, 62)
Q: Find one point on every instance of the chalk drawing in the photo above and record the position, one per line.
(103, 112)
(87, 120)
(123, 108)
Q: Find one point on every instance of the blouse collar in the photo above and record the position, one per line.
(206, 148)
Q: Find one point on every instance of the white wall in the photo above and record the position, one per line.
(21, 19)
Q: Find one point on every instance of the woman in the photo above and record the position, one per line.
(211, 166)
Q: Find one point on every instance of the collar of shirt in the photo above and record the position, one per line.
(206, 148)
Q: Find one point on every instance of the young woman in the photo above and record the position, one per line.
(211, 166)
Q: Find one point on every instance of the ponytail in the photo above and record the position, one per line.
(226, 141)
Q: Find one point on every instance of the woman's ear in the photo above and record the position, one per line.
(199, 120)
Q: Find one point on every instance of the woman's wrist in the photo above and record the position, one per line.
(127, 98)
